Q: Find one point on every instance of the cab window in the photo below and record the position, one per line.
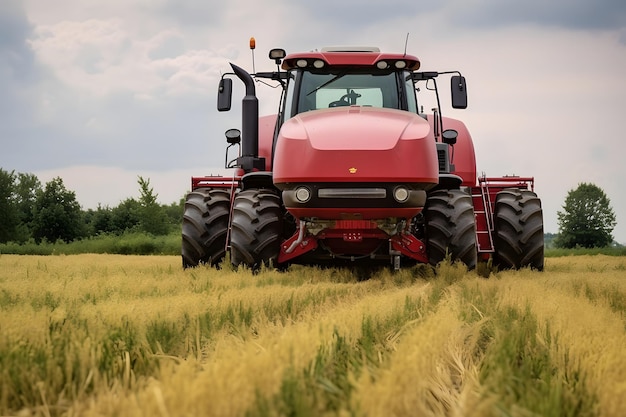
(326, 90)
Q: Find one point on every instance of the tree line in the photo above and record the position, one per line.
(30, 211)
(50, 212)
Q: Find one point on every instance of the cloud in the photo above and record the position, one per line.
(110, 96)
(17, 61)
(20, 80)
(167, 44)
(349, 15)
(191, 12)
(104, 57)
(567, 14)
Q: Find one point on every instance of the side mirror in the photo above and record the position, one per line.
(233, 136)
(459, 92)
(224, 94)
(449, 136)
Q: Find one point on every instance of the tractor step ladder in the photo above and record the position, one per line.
(483, 210)
(483, 198)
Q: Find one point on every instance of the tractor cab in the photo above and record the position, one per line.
(322, 80)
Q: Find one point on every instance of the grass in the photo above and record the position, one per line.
(520, 359)
(137, 335)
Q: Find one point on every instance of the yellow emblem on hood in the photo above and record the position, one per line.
(352, 170)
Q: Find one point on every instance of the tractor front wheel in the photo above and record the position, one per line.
(205, 226)
(256, 228)
(518, 224)
(450, 227)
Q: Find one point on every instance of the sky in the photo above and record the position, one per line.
(99, 92)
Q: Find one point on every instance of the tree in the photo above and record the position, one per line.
(153, 219)
(27, 188)
(587, 219)
(126, 216)
(9, 215)
(57, 214)
(99, 221)
(174, 212)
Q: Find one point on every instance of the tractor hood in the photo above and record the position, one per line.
(355, 144)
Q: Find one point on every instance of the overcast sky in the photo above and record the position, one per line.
(98, 92)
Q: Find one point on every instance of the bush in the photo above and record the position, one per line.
(609, 251)
(131, 243)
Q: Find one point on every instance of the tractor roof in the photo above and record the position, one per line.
(350, 56)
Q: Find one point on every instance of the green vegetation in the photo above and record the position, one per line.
(587, 219)
(617, 250)
(520, 359)
(48, 219)
(128, 243)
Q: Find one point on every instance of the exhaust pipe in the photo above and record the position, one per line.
(249, 159)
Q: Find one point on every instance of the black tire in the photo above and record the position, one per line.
(450, 227)
(205, 226)
(518, 230)
(256, 228)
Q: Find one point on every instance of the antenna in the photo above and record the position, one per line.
(252, 47)
(406, 43)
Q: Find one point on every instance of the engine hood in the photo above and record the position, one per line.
(356, 144)
(355, 127)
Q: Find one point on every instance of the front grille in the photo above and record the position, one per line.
(442, 156)
(352, 193)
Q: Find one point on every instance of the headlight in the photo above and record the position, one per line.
(401, 194)
(303, 194)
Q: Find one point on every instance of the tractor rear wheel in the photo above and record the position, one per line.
(518, 226)
(450, 227)
(205, 226)
(256, 228)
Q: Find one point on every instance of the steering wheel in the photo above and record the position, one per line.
(341, 102)
(348, 99)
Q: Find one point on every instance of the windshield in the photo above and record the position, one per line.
(322, 90)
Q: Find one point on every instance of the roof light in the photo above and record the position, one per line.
(301, 63)
(318, 64)
(400, 64)
(382, 65)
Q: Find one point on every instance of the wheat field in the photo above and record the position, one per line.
(108, 335)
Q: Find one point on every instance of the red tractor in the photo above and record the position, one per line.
(351, 170)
